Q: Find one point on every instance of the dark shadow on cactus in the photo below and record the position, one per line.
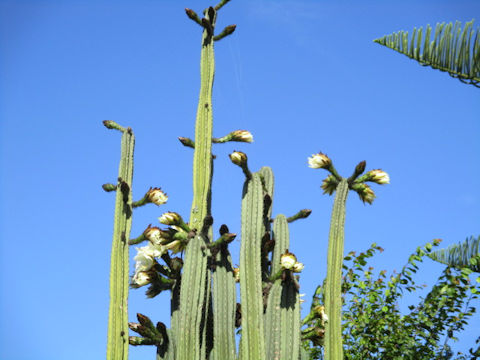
(289, 295)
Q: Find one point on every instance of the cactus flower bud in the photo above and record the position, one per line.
(365, 193)
(153, 234)
(298, 267)
(238, 158)
(157, 196)
(141, 278)
(329, 185)
(176, 246)
(170, 218)
(236, 274)
(242, 136)
(319, 161)
(379, 176)
(288, 260)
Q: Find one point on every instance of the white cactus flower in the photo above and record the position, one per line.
(242, 135)
(379, 176)
(319, 161)
(298, 267)
(288, 260)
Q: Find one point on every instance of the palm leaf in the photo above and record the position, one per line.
(451, 50)
(463, 255)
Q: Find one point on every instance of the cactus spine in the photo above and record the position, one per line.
(117, 338)
(333, 298)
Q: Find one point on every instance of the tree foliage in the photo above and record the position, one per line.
(452, 49)
(374, 327)
(465, 254)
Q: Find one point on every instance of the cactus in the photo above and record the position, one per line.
(204, 312)
(117, 338)
(282, 317)
(334, 182)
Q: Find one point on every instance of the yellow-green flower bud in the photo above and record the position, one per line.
(319, 161)
(176, 246)
(157, 196)
(329, 185)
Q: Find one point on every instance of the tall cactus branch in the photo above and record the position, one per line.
(117, 341)
(333, 298)
(195, 288)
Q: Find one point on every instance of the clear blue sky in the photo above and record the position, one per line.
(302, 76)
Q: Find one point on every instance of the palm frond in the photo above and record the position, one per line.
(451, 50)
(465, 254)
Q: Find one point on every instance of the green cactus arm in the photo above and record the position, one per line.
(282, 317)
(224, 305)
(333, 299)
(195, 282)
(253, 342)
(282, 242)
(117, 338)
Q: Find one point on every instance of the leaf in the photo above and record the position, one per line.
(459, 255)
(451, 50)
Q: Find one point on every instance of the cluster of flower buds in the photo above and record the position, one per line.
(288, 261)
(356, 182)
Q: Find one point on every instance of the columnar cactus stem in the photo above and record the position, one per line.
(224, 304)
(282, 317)
(333, 298)
(117, 342)
(253, 229)
(195, 288)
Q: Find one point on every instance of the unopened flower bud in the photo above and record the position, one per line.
(141, 278)
(288, 260)
(236, 274)
(157, 196)
(319, 161)
(242, 136)
(170, 218)
(365, 193)
(329, 185)
(154, 235)
(176, 246)
(238, 158)
(298, 267)
(378, 176)
(109, 187)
